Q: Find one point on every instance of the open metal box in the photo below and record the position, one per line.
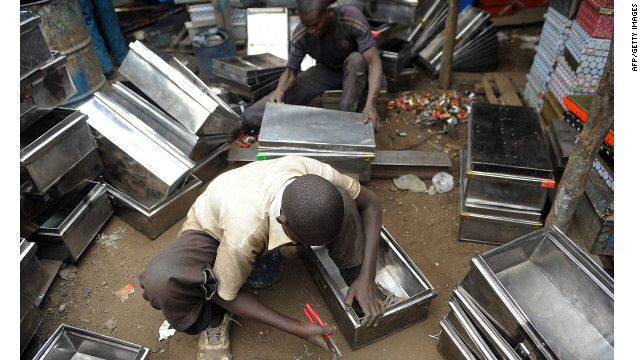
(34, 51)
(53, 145)
(395, 271)
(137, 160)
(44, 89)
(468, 333)
(30, 319)
(73, 223)
(483, 325)
(338, 138)
(35, 275)
(249, 69)
(71, 343)
(450, 345)
(194, 146)
(154, 220)
(541, 289)
(178, 91)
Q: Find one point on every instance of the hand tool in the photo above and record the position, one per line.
(311, 315)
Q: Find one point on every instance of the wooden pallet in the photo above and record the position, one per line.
(502, 88)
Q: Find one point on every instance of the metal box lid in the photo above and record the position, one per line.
(507, 139)
(296, 127)
(178, 91)
(194, 146)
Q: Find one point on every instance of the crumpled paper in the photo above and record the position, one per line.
(164, 331)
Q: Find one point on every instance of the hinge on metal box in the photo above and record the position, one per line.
(604, 10)
(464, 216)
(536, 225)
(524, 352)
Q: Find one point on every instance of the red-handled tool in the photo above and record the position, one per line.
(314, 317)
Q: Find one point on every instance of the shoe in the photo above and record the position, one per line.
(214, 342)
(389, 297)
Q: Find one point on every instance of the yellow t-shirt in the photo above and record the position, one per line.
(235, 209)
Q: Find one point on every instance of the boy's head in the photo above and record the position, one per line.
(311, 210)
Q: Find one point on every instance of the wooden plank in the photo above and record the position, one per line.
(506, 90)
(522, 16)
(488, 90)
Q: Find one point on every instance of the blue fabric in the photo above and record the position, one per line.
(107, 21)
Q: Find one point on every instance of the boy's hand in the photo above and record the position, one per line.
(313, 333)
(368, 296)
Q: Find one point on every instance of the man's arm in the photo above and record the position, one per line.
(375, 79)
(286, 80)
(364, 288)
(247, 306)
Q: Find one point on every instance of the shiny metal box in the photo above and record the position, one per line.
(338, 138)
(194, 146)
(483, 325)
(71, 343)
(54, 145)
(491, 224)
(137, 160)
(468, 333)
(30, 319)
(395, 271)
(71, 225)
(543, 291)
(213, 164)
(508, 160)
(34, 51)
(403, 12)
(44, 89)
(450, 344)
(154, 220)
(178, 91)
(35, 275)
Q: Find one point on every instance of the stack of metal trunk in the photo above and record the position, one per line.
(338, 138)
(537, 297)
(249, 76)
(505, 174)
(61, 206)
(476, 44)
(160, 135)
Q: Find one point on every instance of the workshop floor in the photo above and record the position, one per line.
(424, 225)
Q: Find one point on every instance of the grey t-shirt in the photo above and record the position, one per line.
(351, 33)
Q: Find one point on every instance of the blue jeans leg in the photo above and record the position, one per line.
(110, 25)
(96, 39)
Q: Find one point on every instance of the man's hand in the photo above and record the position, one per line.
(276, 96)
(371, 114)
(313, 333)
(368, 296)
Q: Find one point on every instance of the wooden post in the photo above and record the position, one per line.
(576, 173)
(446, 61)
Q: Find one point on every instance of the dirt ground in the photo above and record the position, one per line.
(424, 225)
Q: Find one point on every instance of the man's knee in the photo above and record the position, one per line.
(355, 62)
